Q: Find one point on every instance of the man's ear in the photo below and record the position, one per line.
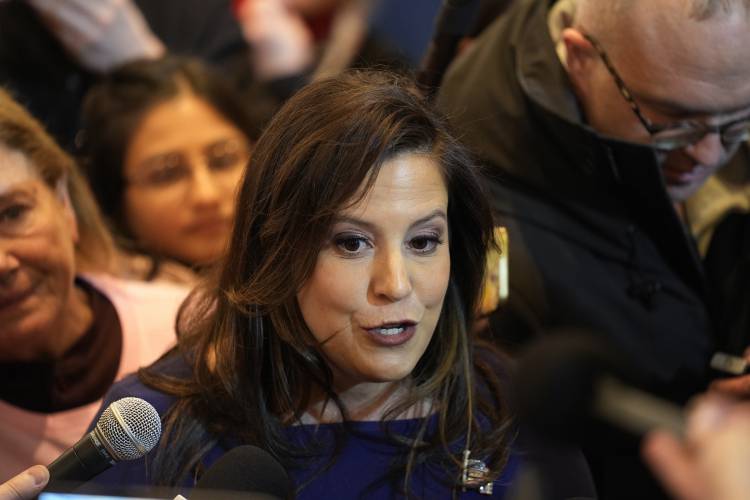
(580, 58)
(63, 196)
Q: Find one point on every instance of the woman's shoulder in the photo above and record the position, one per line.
(141, 267)
(172, 365)
(136, 473)
(561, 470)
(134, 290)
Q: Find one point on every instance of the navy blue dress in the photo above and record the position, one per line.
(360, 468)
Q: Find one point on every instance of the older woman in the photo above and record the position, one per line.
(165, 143)
(336, 334)
(68, 328)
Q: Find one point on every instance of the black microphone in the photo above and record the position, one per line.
(127, 430)
(454, 21)
(246, 472)
(569, 378)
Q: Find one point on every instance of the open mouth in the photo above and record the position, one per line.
(392, 334)
(393, 330)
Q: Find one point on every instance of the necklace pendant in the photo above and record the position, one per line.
(476, 475)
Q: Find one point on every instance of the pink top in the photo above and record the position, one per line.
(147, 314)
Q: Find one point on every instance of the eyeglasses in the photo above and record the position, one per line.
(170, 170)
(680, 134)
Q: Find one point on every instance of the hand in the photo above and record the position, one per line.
(712, 462)
(736, 387)
(282, 43)
(100, 34)
(26, 485)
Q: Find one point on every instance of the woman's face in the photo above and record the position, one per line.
(37, 260)
(375, 295)
(182, 168)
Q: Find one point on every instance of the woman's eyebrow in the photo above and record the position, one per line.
(437, 213)
(12, 190)
(354, 221)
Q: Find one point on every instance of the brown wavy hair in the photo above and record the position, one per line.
(253, 359)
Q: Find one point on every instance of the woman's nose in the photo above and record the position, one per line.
(9, 265)
(205, 188)
(391, 279)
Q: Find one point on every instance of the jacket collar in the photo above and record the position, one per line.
(545, 82)
(632, 170)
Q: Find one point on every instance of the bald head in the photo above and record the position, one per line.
(679, 59)
(610, 19)
(697, 9)
(703, 41)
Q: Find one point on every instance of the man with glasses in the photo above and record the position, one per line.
(598, 120)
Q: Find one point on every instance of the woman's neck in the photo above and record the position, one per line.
(76, 319)
(367, 401)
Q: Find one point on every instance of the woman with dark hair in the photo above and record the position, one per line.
(165, 143)
(336, 334)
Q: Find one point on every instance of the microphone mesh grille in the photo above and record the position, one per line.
(131, 427)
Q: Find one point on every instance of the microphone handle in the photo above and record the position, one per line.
(636, 411)
(84, 460)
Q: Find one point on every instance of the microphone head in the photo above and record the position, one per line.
(556, 382)
(244, 469)
(129, 428)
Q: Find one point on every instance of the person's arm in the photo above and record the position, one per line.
(102, 34)
(26, 485)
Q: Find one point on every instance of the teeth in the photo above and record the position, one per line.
(390, 331)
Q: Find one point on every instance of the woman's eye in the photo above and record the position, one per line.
(424, 244)
(226, 155)
(163, 170)
(224, 161)
(13, 213)
(351, 244)
(168, 174)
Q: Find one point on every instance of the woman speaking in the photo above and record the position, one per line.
(336, 334)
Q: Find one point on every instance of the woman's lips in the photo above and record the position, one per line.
(12, 299)
(209, 226)
(393, 334)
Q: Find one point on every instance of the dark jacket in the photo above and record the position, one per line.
(594, 240)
